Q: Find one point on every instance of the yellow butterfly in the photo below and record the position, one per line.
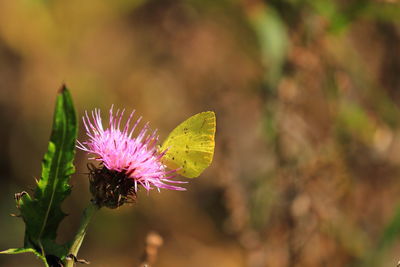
(191, 145)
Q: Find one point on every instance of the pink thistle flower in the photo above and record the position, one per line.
(134, 160)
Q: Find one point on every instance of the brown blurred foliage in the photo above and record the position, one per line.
(307, 94)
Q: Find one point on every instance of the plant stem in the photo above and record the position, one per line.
(80, 235)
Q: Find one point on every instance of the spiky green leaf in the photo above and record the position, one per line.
(42, 213)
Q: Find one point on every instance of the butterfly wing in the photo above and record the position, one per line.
(191, 145)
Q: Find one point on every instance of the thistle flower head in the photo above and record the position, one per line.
(126, 161)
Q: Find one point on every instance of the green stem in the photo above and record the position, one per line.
(80, 235)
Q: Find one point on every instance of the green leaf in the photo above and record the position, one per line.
(273, 39)
(19, 251)
(390, 234)
(391, 231)
(42, 213)
(24, 250)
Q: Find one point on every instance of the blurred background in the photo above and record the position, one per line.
(307, 93)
